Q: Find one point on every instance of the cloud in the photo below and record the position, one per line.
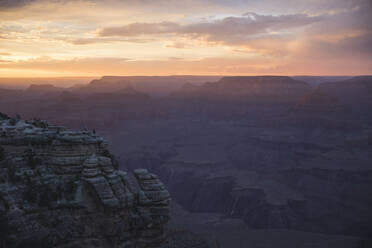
(14, 3)
(357, 46)
(177, 44)
(13, 29)
(310, 36)
(175, 58)
(88, 41)
(75, 66)
(229, 29)
(137, 29)
(5, 54)
(251, 32)
(151, 6)
(120, 66)
(197, 7)
(204, 66)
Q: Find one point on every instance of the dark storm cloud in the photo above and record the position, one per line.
(14, 3)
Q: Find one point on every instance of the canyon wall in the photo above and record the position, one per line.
(61, 188)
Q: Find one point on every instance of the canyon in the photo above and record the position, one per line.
(250, 154)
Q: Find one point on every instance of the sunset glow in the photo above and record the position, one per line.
(127, 37)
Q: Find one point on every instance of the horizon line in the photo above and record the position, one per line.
(190, 75)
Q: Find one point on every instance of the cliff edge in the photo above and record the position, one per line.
(61, 188)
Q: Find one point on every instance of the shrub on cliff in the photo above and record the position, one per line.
(3, 116)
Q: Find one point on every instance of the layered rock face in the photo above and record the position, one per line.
(61, 188)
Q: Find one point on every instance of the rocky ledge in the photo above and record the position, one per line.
(61, 188)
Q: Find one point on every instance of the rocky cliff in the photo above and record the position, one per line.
(61, 188)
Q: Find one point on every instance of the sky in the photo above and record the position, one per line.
(40, 38)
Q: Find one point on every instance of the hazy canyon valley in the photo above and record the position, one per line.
(244, 158)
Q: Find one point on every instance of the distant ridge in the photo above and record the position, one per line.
(317, 80)
(150, 85)
(256, 88)
(23, 83)
(355, 92)
(43, 88)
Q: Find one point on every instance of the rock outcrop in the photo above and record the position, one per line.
(61, 188)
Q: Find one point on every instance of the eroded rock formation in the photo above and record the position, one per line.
(61, 188)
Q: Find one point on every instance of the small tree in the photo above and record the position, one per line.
(3, 116)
